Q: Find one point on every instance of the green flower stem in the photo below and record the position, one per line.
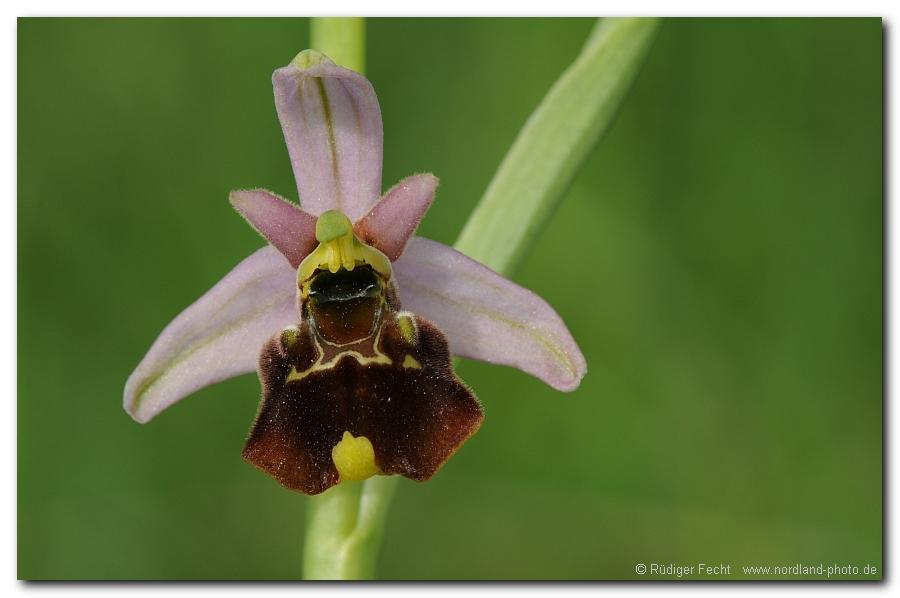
(345, 523)
(551, 146)
(342, 39)
(344, 528)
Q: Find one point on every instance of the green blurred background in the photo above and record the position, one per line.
(721, 268)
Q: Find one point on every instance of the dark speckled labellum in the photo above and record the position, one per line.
(359, 387)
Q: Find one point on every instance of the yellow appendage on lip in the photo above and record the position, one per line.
(340, 248)
(354, 458)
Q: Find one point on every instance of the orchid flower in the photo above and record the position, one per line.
(353, 384)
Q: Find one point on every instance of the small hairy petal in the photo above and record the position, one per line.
(486, 316)
(332, 126)
(393, 220)
(284, 225)
(216, 338)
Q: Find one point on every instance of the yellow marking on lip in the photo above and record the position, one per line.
(411, 362)
(381, 358)
(408, 329)
(319, 366)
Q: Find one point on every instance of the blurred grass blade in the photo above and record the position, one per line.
(554, 141)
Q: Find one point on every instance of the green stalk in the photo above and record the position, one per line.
(342, 39)
(346, 522)
(344, 528)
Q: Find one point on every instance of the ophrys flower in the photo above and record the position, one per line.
(352, 384)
